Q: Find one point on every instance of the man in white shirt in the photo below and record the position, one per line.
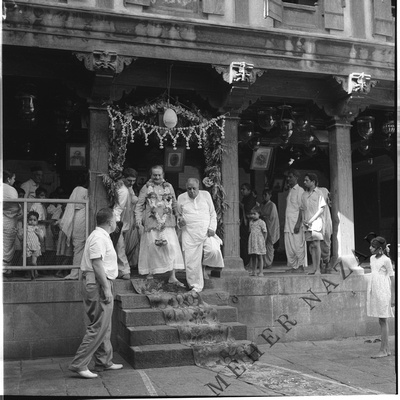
(294, 234)
(32, 184)
(99, 269)
(122, 211)
(200, 244)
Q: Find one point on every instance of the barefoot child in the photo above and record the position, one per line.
(380, 294)
(257, 238)
(34, 238)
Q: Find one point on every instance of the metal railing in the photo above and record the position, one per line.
(25, 202)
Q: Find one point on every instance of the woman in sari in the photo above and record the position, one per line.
(73, 225)
(11, 212)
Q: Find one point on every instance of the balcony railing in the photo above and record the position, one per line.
(45, 262)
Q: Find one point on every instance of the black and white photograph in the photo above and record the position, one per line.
(200, 199)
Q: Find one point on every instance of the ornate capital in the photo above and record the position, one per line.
(239, 72)
(104, 61)
(346, 108)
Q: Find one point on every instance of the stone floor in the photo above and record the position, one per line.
(331, 367)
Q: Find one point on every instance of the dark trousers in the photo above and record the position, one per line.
(97, 340)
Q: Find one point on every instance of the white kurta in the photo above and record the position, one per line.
(294, 242)
(199, 249)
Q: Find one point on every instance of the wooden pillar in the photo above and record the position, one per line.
(98, 146)
(341, 188)
(230, 181)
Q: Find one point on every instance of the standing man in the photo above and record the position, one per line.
(312, 209)
(200, 244)
(294, 235)
(32, 184)
(269, 214)
(99, 269)
(326, 243)
(122, 211)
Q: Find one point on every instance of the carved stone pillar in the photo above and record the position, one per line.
(98, 145)
(341, 188)
(105, 65)
(230, 180)
(240, 75)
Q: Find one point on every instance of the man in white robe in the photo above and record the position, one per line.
(200, 244)
(122, 211)
(326, 243)
(294, 234)
(269, 215)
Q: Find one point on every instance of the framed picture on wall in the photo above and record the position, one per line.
(174, 159)
(76, 156)
(278, 184)
(261, 158)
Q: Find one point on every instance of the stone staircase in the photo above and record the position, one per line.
(144, 339)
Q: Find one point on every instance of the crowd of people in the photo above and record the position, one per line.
(307, 229)
(55, 232)
(155, 232)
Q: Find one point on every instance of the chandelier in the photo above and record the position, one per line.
(282, 126)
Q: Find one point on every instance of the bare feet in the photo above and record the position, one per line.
(175, 282)
(260, 274)
(252, 273)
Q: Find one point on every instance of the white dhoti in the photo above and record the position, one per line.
(295, 249)
(155, 259)
(198, 248)
(207, 252)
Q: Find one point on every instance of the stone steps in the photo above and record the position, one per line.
(144, 339)
(164, 334)
(137, 301)
(154, 316)
(159, 355)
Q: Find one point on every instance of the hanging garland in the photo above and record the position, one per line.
(130, 125)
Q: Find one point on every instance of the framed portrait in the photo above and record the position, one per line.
(278, 184)
(76, 156)
(261, 158)
(174, 159)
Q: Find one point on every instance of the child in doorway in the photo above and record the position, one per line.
(257, 238)
(34, 238)
(380, 293)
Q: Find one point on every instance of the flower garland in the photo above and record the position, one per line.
(213, 151)
(165, 203)
(129, 125)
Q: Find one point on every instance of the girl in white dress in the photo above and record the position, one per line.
(380, 293)
(257, 238)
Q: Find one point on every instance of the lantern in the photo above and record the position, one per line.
(170, 118)
(365, 126)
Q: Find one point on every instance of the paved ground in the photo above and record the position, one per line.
(286, 369)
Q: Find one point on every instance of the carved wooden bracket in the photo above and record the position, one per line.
(356, 82)
(349, 96)
(105, 65)
(104, 60)
(240, 75)
(239, 72)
